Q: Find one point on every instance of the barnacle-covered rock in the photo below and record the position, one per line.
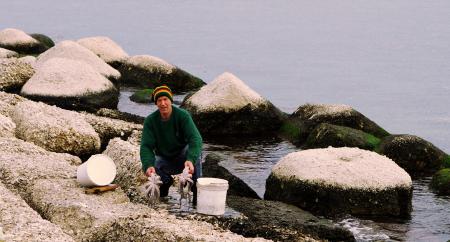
(14, 73)
(8, 101)
(149, 71)
(5, 53)
(7, 126)
(55, 129)
(307, 117)
(71, 50)
(227, 106)
(105, 48)
(19, 41)
(341, 180)
(71, 84)
(414, 154)
(19, 222)
(108, 128)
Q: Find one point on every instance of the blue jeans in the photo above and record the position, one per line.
(166, 167)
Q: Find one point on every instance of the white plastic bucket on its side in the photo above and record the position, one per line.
(211, 195)
(98, 170)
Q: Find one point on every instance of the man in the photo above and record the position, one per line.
(170, 142)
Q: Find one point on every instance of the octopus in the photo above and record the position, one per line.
(152, 188)
(185, 181)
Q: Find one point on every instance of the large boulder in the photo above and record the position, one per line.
(14, 73)
(21, 223)
(335, 181)
(71, 84)
(5, 53)
(414, 154)
(55, 129)
(325, 135)
(148, 72)
(116, 114)
(306, 118)
(237, 187)
(227, 106)
(108, 50)
(71, 50)
(46, 41)
(108, 128)
(7, 126)
(19, 41)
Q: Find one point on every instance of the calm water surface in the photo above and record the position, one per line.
(389, 59)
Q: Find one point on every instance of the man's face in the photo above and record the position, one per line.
(164, 105)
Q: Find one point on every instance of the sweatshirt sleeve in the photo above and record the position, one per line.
(147, 147)
(193, 137)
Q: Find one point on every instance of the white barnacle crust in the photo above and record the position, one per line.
(12, 36)
(104, 47)
(151, 63)
(226, 93)
(343, 167)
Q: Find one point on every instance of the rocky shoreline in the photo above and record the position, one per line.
(66, 111)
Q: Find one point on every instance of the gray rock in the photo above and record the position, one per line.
(337, 181)
(148, 72)
(306, 118)
(5, 53)
(19, 222)
(19, 41)
(14, 74)
(414, 154)
(22, 162)
(71, 84)
(325, 135)
(8, 101)
(227, 107)
(55, 129)
(108, 128)
(108, 50)
(7, 126)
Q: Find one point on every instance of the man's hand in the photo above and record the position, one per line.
(150, 171)
(190, 166)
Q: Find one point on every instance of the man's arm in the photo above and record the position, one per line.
(147, 147)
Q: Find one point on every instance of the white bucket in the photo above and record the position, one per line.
(98, 170)
(211, 195)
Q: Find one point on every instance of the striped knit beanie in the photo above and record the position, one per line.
(162, 91)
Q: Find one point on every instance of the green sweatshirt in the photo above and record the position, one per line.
(168, 138)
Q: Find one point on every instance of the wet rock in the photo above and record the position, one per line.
(414, 154)
(14, 73)
(19, 222)
(108, 128)
(5, 53)
(237, 187)
(325, 135)
(227, 107)
(148, 72)
(7, 126)
(142, 96)
(19, 41)
(116, 114)
(441, 182)
(71, 84)
(108, 50)
(283, 222)
(46, 41)
(22, 162)
(306, 118)
(71, 50)
(336, 181)
(55, 129)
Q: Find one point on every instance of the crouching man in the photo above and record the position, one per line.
(170, 142)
